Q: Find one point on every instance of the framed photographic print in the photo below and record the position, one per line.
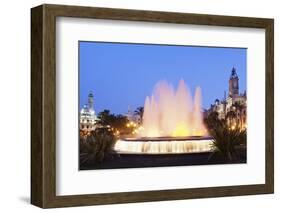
(136, 106)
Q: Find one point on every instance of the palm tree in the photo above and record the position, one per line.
(212, 120)
(139, 112)
(96, 147)
(227, 141)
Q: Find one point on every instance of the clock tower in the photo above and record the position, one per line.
(91, 101)
(233, 84)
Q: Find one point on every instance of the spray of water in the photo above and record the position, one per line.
(173, 113)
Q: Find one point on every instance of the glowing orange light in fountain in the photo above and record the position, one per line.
(180, 130)
(169, 112)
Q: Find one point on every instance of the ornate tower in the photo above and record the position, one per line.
(91, 100)
(233, 83)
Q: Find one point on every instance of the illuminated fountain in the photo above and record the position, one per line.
(172, 123)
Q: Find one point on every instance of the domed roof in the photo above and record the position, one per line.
(85, 109)
(90, 94)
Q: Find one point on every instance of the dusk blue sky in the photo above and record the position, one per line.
(122, 74)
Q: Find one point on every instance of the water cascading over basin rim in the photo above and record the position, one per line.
(168, 138)
(164, 145)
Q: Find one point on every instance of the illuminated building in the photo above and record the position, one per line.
(88, 115)
(232, 108)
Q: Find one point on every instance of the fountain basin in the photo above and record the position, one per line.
(164, 145)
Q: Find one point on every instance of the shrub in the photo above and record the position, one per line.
(97, 146)
(226, 141)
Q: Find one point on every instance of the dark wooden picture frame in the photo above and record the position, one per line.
(43, 105)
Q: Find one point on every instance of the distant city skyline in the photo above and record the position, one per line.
(121, 75)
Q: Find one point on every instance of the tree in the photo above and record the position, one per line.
(139, 112)
(212, 120)
(116, 122)
(120, 122)
(226, 142)
(104, 118)
(96, 147)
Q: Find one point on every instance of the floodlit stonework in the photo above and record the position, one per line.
(88, 115)
(233, 108)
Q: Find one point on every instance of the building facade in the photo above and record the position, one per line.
(232, 108)
(87, 115)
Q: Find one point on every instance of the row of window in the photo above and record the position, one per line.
(86, 126)
(86, 121)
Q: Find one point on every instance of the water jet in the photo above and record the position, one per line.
(172, 123)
